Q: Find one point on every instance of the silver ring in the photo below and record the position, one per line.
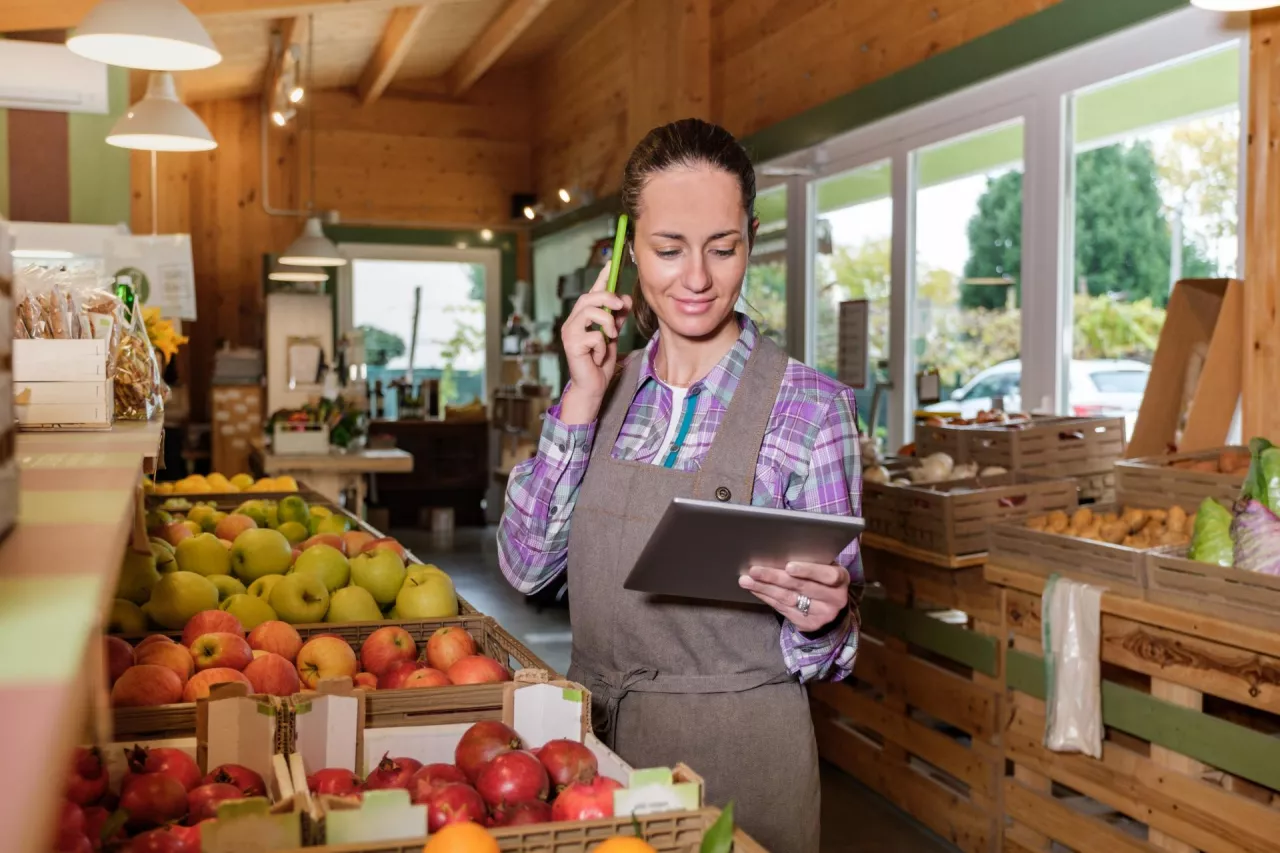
(802, 604)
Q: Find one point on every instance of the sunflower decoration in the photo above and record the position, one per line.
(165, 339)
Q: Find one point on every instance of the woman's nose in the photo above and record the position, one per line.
(697, 278)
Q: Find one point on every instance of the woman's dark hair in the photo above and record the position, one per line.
(686, 143)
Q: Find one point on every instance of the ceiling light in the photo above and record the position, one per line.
(278, 118)
(529, 212)
(296, 95)
(486, 235)
(461, 244)
(297, 275)
(155, 35)
(160, 122)
(1234, 5)
(49, 254)
(564, 195)
(313, 249)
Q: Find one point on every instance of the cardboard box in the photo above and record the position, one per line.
(62, 393)
(59, 361)
(65, 416)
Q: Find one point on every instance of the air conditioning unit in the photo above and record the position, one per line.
(40, 76)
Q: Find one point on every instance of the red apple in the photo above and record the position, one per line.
(454, 803)
(353, 541)
(427, 677)
(386, 647)
(249, 782)
(228, 651)
(119, 657)
(145, 685)
(170, 655)
(395, 677)
(477, 669)
(149, 639)
(585, 800)
(326, 657)
(210, 622)
(297, 552)
(331, 539)
(273, 675)
(202, 802)
(278, 637)
(175, 532)
(385, 542)
(447, 646)
(333, 780)
(199, 685)
(433, 776)
(233, 525)
(367, 680)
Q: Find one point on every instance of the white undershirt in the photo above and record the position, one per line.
(678, 396)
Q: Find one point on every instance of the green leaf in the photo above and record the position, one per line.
(637, 828)
(1255, 482)
(719, 838)
(113, 825)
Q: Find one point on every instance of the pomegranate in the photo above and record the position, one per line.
(454, 803)
(521, 814)
(163, 840)
(391, 773)
(567, 761)
(160, 759)
(513, 777)
(586, 800)
(88, 781)
(153, 799)
(248, 781)
(71, 819)
(333, 780)
(189, 836)
(203, 801)
(73, 843)
(432, 776)
(482, 743)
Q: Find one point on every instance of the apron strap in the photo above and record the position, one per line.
(621, 393)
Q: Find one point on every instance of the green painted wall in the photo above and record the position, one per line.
(100, 172)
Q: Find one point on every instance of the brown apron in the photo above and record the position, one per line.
(681, 680)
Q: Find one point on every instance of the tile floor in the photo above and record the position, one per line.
(854, 819)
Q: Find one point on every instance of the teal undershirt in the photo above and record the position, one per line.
(690, 403)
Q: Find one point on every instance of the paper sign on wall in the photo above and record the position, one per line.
(161, 267)
(854, 363)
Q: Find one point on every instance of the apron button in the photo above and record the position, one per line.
(723, 494)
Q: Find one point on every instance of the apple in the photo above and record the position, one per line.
(333, 540)
(326, 563)
(220, 650)
(477, 669)
(395, 676)
(146, 684)
(203, 515)
(255, 509)
(199, 685)
(204, 555)
(257, 653)
(385, 543)
(257, 553)
(177, 597)
(447, 646)
(276, 637)
(431, 597)
(293, 531)
(353, 540)
(233, 525)
(419, 571)
(227, 585)
(175, 531)
(386, 647)
(119, 656)
(138, 576)
(148, 640)
(261, 588)
(158, 519)
(382, 573)
(170, 655)
(353, 604)
(332, 524)
(367, 680)
(273, 675)
(251, 611)
(165, 557)
(209, 622)
(326, 657)
(126, 618)
(427, 677)
(293, 508)
(300, 598)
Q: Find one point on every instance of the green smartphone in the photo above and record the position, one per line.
(615, 260)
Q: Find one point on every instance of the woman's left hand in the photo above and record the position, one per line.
(827, 587)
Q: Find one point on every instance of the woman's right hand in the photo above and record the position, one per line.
(592, 356)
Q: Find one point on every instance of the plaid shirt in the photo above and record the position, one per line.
(809, 461)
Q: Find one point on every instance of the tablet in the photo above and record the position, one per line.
(700, 548)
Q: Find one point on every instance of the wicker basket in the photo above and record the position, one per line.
(1121, 570)
(1248, 598)
(1154, 482)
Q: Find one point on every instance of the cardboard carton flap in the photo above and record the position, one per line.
(654, 790)
(327, 729)
(234, 728)
(543, 712)
(382, 816)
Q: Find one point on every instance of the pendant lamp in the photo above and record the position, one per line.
(160, 122)
(154, 35)
(312, 248)
(1234, 5)
(300, 274)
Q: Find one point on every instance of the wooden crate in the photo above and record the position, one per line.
(1121, 570)
(952, 519)
(405, 707)
(1154, 482)
(1249, 598)
(1191, 705)
(919, 720)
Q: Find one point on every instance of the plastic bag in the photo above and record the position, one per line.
(1072, 627)
(138, 387)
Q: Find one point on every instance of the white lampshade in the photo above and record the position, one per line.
(1234, 5)
(300, 274)
(160, 122)
(155, 35)
(312, 249)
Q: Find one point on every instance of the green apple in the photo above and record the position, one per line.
(257, 510)
(203, 515)
(261, 588)
(178, 596)
(165, 559)
(333, 524)
(393, 614)
(353, 604)
(381, 573)
(419, 572)
(227, 586)
(203, 554)
(138, 576)
(163, 543)
(251, 611)
(176, 505)
(431, 597)
(158, 519)
(300, 598)
(295, 531)
(273, 516)
(325, 562)
(293, 508)
(126, 618)
(259, 552)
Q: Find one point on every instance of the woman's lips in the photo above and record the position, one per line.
(694, 306)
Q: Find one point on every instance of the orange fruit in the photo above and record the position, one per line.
(624, 844)
(461, 838)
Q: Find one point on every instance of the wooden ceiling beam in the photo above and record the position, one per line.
(23, 15)
(292, 31)
(397, 39)
(501, 33)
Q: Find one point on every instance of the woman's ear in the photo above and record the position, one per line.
(631, 250)
(755, 226)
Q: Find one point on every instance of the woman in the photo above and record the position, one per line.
(710, 409)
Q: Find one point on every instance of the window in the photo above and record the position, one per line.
(765, 291)
(1120, 381)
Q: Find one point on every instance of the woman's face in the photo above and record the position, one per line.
(691, 245)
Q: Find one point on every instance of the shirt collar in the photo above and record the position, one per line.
(723, 378)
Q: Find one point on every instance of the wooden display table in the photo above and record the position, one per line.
(79, 498)
(920, 720)
(1192, 709)
(333, 473)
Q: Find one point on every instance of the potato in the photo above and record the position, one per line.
(1141, 541)
(1233, 462)
(1057, 521)
(1114, 531)
(1110, 518)
(1082, 518)
(1135, 518)
(1093, 531)
(1158, 515)
(1177, 519)
(1206, 466)
(1037, 523)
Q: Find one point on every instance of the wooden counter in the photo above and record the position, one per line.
(58, 570)
(333, 473)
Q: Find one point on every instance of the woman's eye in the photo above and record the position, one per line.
(668, 253)
(724, 253)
